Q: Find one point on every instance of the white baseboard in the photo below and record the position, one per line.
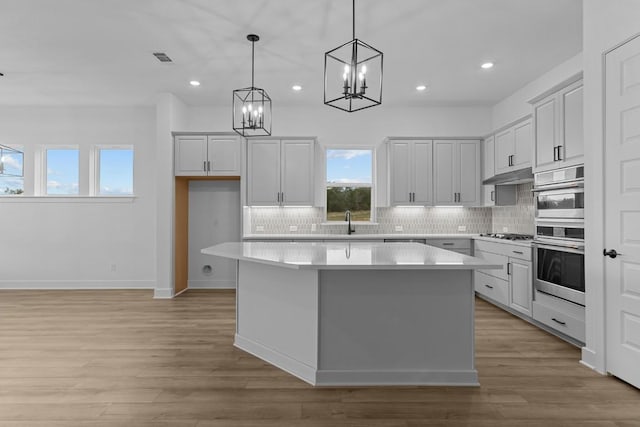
(316, 377)
(211, 284)
(294, 367)
(590, 360)
(76, 284)
(163, 293)
(467, 378)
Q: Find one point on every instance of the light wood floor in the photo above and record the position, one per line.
(120, 358)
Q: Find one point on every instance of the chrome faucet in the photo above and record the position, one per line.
(347, 217)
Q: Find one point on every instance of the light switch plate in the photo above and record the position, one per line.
(399, 228)
(259, 227)
(462, 228)
(314, 227)
(505, 229)
(293, 228)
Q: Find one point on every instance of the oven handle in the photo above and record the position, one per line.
(568, 247)
(559, 186)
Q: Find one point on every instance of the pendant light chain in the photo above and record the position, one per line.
(253, 46)
(353, 26)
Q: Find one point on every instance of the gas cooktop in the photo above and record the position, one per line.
(508, 236)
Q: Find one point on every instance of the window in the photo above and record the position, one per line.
(62, 171)
(115, 171)
(349, 178)
(11, 171)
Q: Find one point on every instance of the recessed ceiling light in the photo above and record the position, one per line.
(487, 65)
(297, 88)
(194, 83)
(421, 88)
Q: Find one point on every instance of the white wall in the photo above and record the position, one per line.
(48, 244)
(517, 105)
(366, 127)
(606, 23)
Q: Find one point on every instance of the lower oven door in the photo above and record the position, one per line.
(559, 270)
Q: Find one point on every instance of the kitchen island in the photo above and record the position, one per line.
(357, 313)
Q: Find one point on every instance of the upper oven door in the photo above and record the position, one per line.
(565, 202)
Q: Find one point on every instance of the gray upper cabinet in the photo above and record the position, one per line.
(280, 172)
(411, 172)
(513, 147)
(558, 118)
(207, 155)
(457, 173)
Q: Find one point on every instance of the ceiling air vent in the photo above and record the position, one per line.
(162, 57)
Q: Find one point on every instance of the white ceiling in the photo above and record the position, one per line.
(99, 52)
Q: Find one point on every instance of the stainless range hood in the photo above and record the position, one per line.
(515, 177)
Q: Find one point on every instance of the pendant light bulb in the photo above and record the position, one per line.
(364, 69)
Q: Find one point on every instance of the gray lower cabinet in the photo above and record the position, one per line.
(511, 286)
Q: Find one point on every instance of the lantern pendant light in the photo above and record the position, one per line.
(252, 105)
(353, 74)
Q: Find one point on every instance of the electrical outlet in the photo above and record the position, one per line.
(313, 227)
(505, 229)
(114, 267)
(462, 228)
(259, 227)
(399, 228)
(293, 228)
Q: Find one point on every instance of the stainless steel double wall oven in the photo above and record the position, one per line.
(559, 234)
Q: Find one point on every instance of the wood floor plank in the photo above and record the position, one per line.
(121, 358)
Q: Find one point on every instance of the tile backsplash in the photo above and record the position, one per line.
(399, 220)
(518, 218)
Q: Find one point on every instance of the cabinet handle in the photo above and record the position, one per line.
(204, 166)
(555, 157)
(493, 196)
(560, 322)
(278, 195)
(208, 166)
(559, 155)
(489, 286)
(508, 269)
(518, 252)
(447, 244)
(281, 197)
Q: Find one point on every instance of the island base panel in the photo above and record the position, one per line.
(364, 327)
(396, 327)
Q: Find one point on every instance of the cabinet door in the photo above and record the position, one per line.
(297, 172)
(468, 173)
(445, 168)
(400, 172)
(422, 168)
(503, 150)
(489, 158)
(488, 195)
(545, 116)
(521, 285)
(190, 155)
(572, 151)
(224, 155)
(263, 172)
(523, 144)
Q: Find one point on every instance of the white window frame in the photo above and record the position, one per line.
(94, 170)
(325, 184)
(42, 179)
(20, 148)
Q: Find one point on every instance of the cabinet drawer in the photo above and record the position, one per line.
(494, 259)
(450, 243)
(575, 328)
(510, 250)
(491, 287)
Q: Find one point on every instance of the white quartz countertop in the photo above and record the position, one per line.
(355, 236)
(349, 256)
